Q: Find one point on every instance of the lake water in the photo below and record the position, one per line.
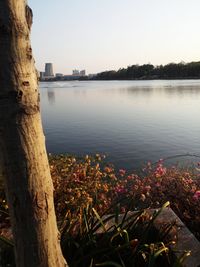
(130, 121)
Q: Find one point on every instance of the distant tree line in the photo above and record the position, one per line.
(148, 71)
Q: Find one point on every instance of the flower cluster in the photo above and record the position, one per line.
(196, 196)
(88, 181)
(160, 170)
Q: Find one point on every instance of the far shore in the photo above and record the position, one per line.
(141, 79)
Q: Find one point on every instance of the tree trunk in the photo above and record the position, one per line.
(28, 182)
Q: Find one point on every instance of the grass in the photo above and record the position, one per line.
(109, 240)
(112, 241)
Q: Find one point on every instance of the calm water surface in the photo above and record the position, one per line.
(130, 121)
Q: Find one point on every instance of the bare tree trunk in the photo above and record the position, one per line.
(22, 144)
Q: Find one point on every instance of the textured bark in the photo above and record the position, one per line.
(22, 144)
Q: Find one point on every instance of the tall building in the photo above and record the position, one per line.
(49, 70)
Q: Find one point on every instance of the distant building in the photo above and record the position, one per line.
(75, 72)
(82, 73)
(58, 75)
(49, 70)
(42, 75)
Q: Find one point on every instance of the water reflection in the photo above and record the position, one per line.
(80, 92)
(138, 90)
(131, 121)
(51, 96)
(182, 90)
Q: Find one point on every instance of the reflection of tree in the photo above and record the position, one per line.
(183, 90)
(51, 97)
(139, 90)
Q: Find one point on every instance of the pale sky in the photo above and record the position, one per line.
(99, 35)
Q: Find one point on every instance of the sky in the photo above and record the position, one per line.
(99, 35)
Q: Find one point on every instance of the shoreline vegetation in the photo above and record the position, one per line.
(171, 71)
(180, 70)
(87, 188)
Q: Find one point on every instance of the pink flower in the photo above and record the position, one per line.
(148, 188)
(76, 178)
(196, 195)
(160, 171)
(120, 189)
(130, 177)
(123, 210)
(122, 172)
(189, 181)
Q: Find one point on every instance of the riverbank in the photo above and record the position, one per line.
(148, 78)
(180, 70)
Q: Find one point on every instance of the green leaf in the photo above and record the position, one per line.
(179, 261)
(6, 241)
(99, 219)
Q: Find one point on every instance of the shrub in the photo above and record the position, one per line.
(87, 188)
(79, 182)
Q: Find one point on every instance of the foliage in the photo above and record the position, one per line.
(148, 71)
(86, 189)
(88, 181)
(110, 240)
(128, 240)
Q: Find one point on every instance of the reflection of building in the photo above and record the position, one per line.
(49, 70)
(51, 97)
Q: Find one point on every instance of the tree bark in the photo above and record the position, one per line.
(28, 182)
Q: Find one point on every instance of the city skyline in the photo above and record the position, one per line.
(105, 35)
(48, 71)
